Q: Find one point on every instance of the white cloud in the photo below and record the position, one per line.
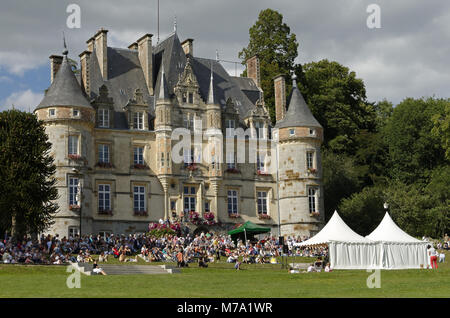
(23, 100)
(17, 62)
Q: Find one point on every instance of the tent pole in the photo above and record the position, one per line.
(245, 235)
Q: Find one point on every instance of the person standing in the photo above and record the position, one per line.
(433, 256)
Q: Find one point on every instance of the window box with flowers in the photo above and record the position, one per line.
(263, 216)
(140, 213)
(74, 207)
(75, 157)
(233, 170)
(234, 215)
(139, 166)
(192, 167)
(104, 164)
(262, 173)
(314, 214)
(312, 170)
(105, 212)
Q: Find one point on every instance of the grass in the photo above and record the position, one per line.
(221, 280)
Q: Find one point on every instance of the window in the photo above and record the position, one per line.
(173, 205)
(232, 202)
(207, 204)
(260, 158)
(73, 190)
(104, 198)
(74, 231)
(310, 160)
(291, 132)
(51, 112)
(231, 162)
(103, 118)
(138, 155)
(162, 160)
(75, 113)
(191, 98)
(103, 153)
(313, 200)
(188, 120)
(189, 198)
(138, 120)
(139, 198)
(73, 145)
(188, 156)
(312, 132)
(184, 97)
(262, 202)
(259, 126)
(230, 125)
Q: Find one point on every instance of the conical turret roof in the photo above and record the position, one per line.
(64, 90)
(298, 113)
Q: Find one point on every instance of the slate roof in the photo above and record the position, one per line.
(64, 90)
(298, 113)
(125, 75)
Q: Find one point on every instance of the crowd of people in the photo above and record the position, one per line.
(182, 249)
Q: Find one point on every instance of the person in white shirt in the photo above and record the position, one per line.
(442, 257)
(328, 268)
(311, 268)
(433, 256)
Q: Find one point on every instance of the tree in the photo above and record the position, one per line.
(413, 150)
(338, 101)
(441, 128)
(340, 180)
(276, 48)
(27, 183)
(363, 211)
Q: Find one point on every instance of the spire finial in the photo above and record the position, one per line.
(175, 24)
(294, 80)
(211, 87)
(65, 52)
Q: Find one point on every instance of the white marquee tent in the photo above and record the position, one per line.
(398, 250)
(347, 249)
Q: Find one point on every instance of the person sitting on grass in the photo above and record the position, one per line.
(328, 268)
(237, 266)
(311, 268)
(202, 261)
(97, 269)
(103, 257)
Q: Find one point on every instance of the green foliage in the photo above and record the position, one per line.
(161, 232)
(340, 180)
(413, 151)
(276, 48)
(363, 211)
(441, 128)
(27, 183)
(338, 101)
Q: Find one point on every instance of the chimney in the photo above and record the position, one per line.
(101, 48)
(90, 44)
(280, 97)
(188, 47)
(145, 53)
(55, 63)
(85, 61)
(253, 70)
(133, 46)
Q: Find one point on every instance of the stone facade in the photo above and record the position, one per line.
(122, 162)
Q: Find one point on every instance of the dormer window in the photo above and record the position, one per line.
(138, 120)
(103, 118)
(191, 98)
(75, 113)
(51, 112)
(184, 98)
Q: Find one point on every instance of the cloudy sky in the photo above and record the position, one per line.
(407, 57)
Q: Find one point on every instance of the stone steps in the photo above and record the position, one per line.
(131, 269)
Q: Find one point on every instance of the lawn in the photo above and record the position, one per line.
(221, 280)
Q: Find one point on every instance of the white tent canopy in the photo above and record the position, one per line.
(388, 231)
(398, 249)
(335, 230)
